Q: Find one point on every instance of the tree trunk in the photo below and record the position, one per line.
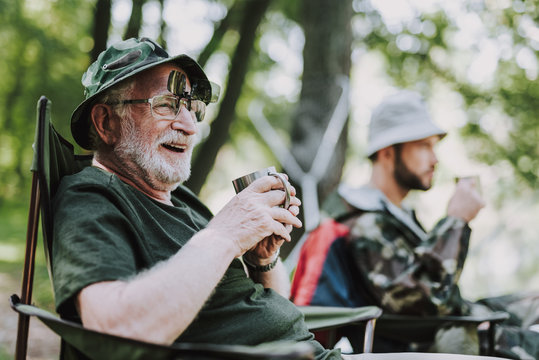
(162, 27)
(253, 13)
(327, 59)
(101, 28)
(135, 20)
(230, 21)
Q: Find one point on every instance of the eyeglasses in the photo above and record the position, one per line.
(167, 107)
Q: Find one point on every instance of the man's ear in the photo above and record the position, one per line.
(106, 123)
(387, 153)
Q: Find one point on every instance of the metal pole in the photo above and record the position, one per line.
(369, 336)
(28, 272)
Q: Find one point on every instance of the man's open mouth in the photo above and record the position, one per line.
(174, 147)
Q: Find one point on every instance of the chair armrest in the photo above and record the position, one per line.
(320, 318)
(408, 328)
(327, 317)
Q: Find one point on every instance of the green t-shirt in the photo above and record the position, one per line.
(105, 230)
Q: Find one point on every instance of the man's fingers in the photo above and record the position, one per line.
(261, 202)
(292, 191)
(274, 186)
(270, 182)
(294, 210)
(279, 230)
(265, 184)
(278, 197)
(284, 216)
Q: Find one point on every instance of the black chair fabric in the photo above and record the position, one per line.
(54, 158)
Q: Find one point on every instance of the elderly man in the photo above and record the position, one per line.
(375, 251)
(138, 255)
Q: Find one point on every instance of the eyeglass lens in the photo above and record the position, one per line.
(168, 107)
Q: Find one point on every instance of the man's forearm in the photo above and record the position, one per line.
(159, 304)
(449, 241)
(276, 279)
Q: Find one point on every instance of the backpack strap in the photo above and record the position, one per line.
(311, 259)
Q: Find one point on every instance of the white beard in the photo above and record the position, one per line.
(151, 166)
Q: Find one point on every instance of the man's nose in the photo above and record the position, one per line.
(184, 122)
(434, 158)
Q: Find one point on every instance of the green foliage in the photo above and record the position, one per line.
(512, 91)
(44, 55)
(290, 9)
(46, 45)
(262, 70)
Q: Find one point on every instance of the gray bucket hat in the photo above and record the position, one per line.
(117, 63)
(399, 118)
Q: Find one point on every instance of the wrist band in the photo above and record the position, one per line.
(262, 268)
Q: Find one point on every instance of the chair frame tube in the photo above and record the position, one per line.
(368, 340)
(29, 266)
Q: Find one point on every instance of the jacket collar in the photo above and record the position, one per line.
(367, 198)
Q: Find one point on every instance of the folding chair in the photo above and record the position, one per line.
(326, 323)
(422, 329)
(53, 158)
(325, 251)
(45, 177)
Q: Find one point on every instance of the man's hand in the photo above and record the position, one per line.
(264, 252)
(466, 201)
(254, 214)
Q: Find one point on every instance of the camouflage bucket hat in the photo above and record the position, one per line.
(119, 62)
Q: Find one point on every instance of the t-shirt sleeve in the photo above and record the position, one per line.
(92, 242)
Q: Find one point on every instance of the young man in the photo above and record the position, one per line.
(138, 255)
(374, 251)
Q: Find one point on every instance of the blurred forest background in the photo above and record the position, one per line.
(287, 69)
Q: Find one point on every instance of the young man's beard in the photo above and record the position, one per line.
(151, 165)
(405, 177)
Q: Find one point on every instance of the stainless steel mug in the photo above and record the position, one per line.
(474, 178)
(244, 181)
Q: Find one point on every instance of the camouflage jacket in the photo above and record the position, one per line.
(401, 267)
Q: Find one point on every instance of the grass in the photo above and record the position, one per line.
(4, 355)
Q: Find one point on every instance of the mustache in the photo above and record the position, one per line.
(175, 137)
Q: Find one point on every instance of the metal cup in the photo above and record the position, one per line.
(474, 178)
(244, 181)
